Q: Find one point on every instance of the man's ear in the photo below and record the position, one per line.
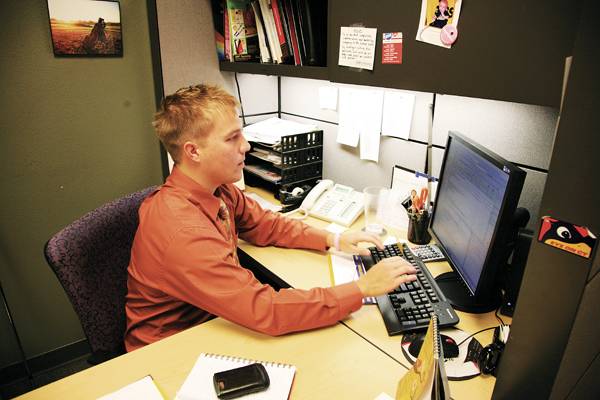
(191, 151)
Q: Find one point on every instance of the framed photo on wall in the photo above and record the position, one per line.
(86, 28)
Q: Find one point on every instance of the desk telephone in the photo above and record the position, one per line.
(333, 202)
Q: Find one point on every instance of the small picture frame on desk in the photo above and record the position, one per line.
(85, 28)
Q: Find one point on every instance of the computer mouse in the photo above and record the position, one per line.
(448, 345)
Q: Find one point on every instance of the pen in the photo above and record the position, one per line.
(423, 197)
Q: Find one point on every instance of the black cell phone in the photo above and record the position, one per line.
(241, 381)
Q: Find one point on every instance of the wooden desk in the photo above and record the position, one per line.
(332, 363)
(307, 269)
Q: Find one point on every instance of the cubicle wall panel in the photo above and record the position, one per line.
(258, 92)
(342, 163)
(301, 97)
(520, 133)
(582, 348)
(187, 58)
(510, 50)
(531, 195)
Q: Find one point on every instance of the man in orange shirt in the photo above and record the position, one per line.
(184, 267)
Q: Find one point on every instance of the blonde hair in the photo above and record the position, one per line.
(190, 113)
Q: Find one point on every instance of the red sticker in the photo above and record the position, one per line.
(566, 236)
(391, 48)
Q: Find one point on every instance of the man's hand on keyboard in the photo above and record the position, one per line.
(386, 276)
(349, 241)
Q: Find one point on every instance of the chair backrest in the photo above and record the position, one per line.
(90, 258)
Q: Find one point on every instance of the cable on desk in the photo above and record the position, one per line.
(498, 317)
(476, 333)
(237, 84)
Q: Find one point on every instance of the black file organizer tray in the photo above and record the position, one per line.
(301, 163)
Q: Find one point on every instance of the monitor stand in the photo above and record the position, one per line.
(461, 299)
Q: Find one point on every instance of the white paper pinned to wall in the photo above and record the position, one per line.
(357, 47)
(348, 132)
(371, 108)
(328, 96)
(398, 110)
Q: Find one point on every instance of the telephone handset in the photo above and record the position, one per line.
(333, 202)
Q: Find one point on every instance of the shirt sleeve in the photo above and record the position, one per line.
(200, 269)
(263, 227)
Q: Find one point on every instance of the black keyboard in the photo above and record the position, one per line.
(410, 306)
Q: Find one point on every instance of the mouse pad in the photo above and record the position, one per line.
(457, 369)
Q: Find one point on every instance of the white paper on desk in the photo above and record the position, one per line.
(384, 396)
(343, 268)
(357, 47)
(144, 388)
(370, 124)
(265, 204)
(328, 96)
(348, 132)
(199, 383)
(397, 114)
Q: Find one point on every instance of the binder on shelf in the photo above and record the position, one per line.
(226, 34)
(243, 33)
(269, 21)
(311, 12)
(286, 55)
(199, 383)
(291, 23)
(219, 14)
(299, 30)
(427, 378)
(265, 53)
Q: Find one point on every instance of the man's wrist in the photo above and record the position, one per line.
(362, 286)
(329, 239)
(333, 240)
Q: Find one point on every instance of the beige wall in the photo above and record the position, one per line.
(74, 133)
(187, 49)
(186, 45)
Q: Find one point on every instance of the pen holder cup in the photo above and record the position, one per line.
(417, 228)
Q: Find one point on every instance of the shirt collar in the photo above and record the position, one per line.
(208, 201)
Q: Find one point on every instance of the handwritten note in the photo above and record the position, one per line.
(357, 47)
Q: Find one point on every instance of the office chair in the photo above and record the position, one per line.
(90, 258)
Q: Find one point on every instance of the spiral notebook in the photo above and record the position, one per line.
(199, 383)
(427, 378)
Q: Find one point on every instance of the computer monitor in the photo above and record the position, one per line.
(471, 222)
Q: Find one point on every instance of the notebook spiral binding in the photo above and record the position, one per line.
(246, 361)
(436, 338)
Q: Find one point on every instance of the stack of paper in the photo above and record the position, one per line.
(271, 130)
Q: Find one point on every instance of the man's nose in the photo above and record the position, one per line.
(245, 145)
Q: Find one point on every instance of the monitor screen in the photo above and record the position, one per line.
(476, 198)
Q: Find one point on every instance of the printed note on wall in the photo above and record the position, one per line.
(357, 47)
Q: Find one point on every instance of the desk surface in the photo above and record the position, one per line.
(334, 362)
(326, 362)
(307, 269)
